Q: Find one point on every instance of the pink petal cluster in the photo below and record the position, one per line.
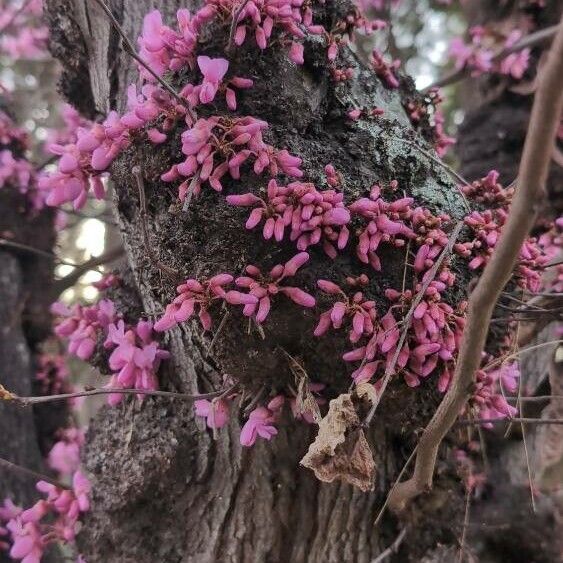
(387, 72)
(261, 421)
(216, 412)
(165, 49)
(489, 191)
(312, 216)
(220, 145)
(486, 227)
(82, 325)
(135, 358)
(488, 399)
(194, 294)
(261, 288)
(387, 223)
(64, 456)
(479, 54)
(289, 19)
(52, 375)
(364, 113)
(360, 313)
(55, 519)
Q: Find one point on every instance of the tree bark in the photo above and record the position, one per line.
(164, 489)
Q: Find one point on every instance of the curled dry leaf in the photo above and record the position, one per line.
(340, 450)
(366, 391)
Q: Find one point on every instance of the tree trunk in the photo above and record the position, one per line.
(164, 489)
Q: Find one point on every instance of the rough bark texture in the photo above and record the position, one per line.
(164, 490)
(24, 283)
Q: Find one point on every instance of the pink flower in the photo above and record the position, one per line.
(216, 413)
(262, 288)
(259, 424)
(213, 71)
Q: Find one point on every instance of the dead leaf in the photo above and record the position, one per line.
(340, 450)
(5, 395)
(366, 391)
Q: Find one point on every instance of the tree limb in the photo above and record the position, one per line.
(532, 176)
(537, 38)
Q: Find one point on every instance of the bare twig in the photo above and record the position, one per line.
(171, 272)
(28, 401)
(390, 369)
(530, 40)
(68, 281)
(393, 548)
(532, 175)
(395, 484)
(537, 421)
(15, 468)
(37, 251)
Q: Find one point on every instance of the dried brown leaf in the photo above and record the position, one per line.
(340, 450)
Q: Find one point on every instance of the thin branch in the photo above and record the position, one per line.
(105, 258)
(390, 369)
(537, 421)
(28, 401)
(37, 251)
(532, 176)
(395, 485)
(133, 53)
(531, 40)
(171, 272)
(15, 468)
(393, 548)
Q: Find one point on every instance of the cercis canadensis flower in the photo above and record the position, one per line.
(220, 145)
(54, 519)
(216, 412)
(192, 295)
(362, 313)
(387, 223)
(312, 216)
(261, 421)
(261, 288)
(384, 70)
(135, 358)
(82, 325)
(163, 48)
(213, 71)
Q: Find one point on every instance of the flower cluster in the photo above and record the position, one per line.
(489, 191)
(365, 113)
(289, 18)
(135, 358)
(387, 223)
(213, 71)
(488, 399)
(52, 375)
(384, 70)
(165, 49)
(261, 421)
(312, 216)
(479, 54)
(362, 313)
(83, 325)
(231, 141)
(194, 294)
(24, 36)
(486, 227)
(262, 287)
(54, 519)
(64, 456)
